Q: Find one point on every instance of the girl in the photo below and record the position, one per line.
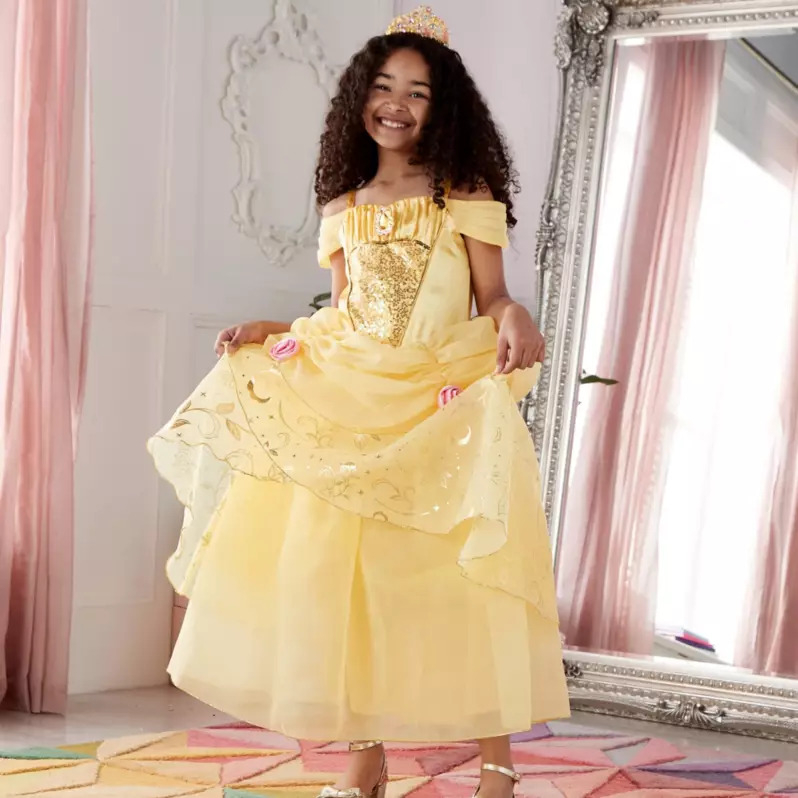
(364, 547)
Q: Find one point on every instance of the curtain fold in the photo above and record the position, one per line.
(45, 258)
(607, 565)
(768, 642)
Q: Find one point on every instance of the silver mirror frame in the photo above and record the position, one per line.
(707, 697)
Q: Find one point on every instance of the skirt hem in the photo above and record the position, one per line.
(195, 688)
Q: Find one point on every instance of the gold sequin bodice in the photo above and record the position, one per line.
(407, 265)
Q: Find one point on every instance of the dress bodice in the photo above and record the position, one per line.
(407, 266)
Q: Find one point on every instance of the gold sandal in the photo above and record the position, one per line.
(511, 774)
(356, 792)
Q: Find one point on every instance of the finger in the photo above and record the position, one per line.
(221, 339)
(528, 359)
(540, 355)
(235, 342)
(513, 361)
(502, 354)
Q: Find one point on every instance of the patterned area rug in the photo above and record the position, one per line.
(559, 760)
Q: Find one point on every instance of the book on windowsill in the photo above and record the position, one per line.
(689, 641)
(687, 637)
(680, 631)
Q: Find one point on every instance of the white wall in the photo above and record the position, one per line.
(171, 267)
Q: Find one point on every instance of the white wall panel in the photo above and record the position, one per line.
(116, 499)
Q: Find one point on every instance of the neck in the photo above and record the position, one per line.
(393, 166)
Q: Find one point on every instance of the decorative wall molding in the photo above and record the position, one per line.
(291, 37)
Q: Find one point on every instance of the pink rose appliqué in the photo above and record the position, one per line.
(285, 349)
(447, 394)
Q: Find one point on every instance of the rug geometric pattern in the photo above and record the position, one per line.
(557, 760)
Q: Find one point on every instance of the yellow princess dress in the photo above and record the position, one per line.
(364, 545)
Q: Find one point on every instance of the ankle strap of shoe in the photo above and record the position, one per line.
(511, 774)
(364, 745)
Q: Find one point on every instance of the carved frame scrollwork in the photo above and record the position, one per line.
(587, 35)
(684, 696)
(291, 37)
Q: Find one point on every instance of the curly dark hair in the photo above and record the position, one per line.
(460, 144)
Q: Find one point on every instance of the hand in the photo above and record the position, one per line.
(233, 338)
(520, 343)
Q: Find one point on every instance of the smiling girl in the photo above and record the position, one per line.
(365, 548)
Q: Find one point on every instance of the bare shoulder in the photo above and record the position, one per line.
(482, 193)
(335, 206)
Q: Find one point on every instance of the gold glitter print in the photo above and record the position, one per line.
(385, 279)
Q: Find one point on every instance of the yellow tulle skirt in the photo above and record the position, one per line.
(362, 563)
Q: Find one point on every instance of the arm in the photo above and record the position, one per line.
(256, 332)
(520, 343)
(339, 278)
(487, 279)
(487, 266)
(252, 332)
(337, 259)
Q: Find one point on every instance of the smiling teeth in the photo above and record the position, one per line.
(395, 125)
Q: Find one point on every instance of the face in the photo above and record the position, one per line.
(398, 104)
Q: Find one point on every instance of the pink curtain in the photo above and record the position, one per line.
(768, 643)
(607, 574)
(45, 222)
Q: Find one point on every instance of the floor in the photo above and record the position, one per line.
(104, 715)
(156, 709)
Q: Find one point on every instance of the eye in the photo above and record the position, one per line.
(417, 95)
(381, 87)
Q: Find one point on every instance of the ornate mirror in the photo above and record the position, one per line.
(666, 417)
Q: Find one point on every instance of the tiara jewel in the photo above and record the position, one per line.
(423, 22)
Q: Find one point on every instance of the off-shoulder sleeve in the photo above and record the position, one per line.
(485, 220)
(330, 238)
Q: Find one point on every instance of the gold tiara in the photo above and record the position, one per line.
(423, 22)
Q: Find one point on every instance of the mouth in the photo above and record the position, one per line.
(392, 124)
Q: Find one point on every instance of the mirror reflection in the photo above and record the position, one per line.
(680, 528)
